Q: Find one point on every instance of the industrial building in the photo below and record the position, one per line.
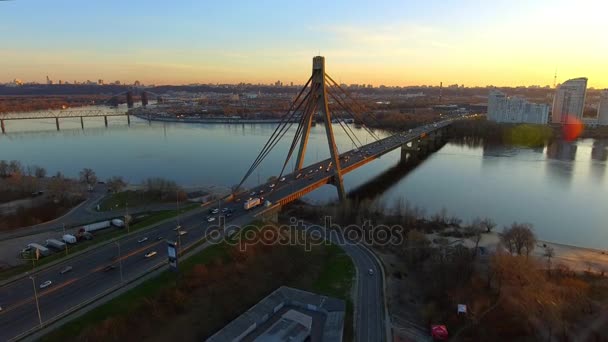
(288, 314)
(516, 109)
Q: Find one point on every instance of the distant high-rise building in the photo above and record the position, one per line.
(100, 81)
(48, 80)
(502, 108)
(569, 101)
(137, 84)
(602, 109)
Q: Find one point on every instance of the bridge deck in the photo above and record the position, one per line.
(61, 114)
(316, 175)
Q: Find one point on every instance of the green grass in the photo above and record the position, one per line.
(336, 280)
(120, 200)
(337, 275)
(99, 238)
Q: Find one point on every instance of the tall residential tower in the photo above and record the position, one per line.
(569, 101)
(516, 109)
(602, 109)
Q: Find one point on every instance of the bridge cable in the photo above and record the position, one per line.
(365, 127)
(347, 126)
(282, 124)
(270, 145)
(350, 112)
(308, 111)
(360, 106)
(279, 131)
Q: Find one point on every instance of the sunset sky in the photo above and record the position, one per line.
(379, 42)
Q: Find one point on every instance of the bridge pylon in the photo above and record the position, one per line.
(317, 103)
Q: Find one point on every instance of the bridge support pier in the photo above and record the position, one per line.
(2, 125)
(105, 120)
(411, 151)
(57, 123)
(128, 120)
(82, 122)
(339, 184)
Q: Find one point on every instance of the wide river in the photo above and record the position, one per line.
(561, 189)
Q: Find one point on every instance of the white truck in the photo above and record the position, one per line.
(252, 203)
(118, 223)
(89, 228)
(69, 238)
(41, 249)
(56, 244)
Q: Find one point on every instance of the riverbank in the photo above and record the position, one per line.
(579, 259)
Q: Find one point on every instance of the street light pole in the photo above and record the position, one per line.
(127, 216)
(119, 262)
(36, 297)
(66, 244)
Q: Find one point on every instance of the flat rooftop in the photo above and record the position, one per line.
(288, 314)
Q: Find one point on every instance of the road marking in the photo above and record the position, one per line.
(40, 294)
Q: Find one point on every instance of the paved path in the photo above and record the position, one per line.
(370, 320)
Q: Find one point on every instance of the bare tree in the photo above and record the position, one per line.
(59, 187)
(88, 177)
(15, 168)
(116, 184)
(3, 168)
(488, 224)
(519, 238)
(474, 232)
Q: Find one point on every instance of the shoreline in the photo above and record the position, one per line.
(577, 258)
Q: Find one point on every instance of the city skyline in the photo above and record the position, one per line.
(392, 43)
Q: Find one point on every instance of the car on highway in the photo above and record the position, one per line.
(253, 193)
(228, 214)
(261, 191)
(182, 232)
(210, 219)
(143, 239)
(158, 238)
(271, 185)
(150, 254)
(46, 284)
(225, 209)
(215, 211)
(178, 227)
(108, 268)
(371, 272)
(282, 179)
(299, 175)
(65, 270)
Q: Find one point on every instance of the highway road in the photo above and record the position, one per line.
(369, 302)
(87, 279)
